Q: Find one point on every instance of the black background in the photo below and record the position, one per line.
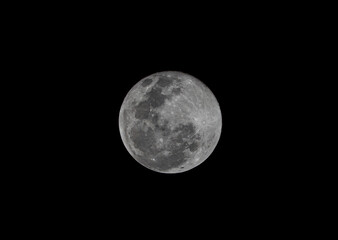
(241, 71)
(88, 60)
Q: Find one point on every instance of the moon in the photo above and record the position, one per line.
(170, 122)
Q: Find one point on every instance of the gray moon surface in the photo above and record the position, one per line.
(170, 122)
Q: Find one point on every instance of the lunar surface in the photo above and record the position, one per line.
(170, 122)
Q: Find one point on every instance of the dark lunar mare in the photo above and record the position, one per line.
(182, 138)
(164, 81)
(188, 132)
(143, 140)
(142, 110)
(154, 99)
(193, 146)
(146, 82)
(176, 91)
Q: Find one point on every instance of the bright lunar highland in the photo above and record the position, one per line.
(170, 122)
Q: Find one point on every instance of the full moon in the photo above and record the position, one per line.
(170, 122)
